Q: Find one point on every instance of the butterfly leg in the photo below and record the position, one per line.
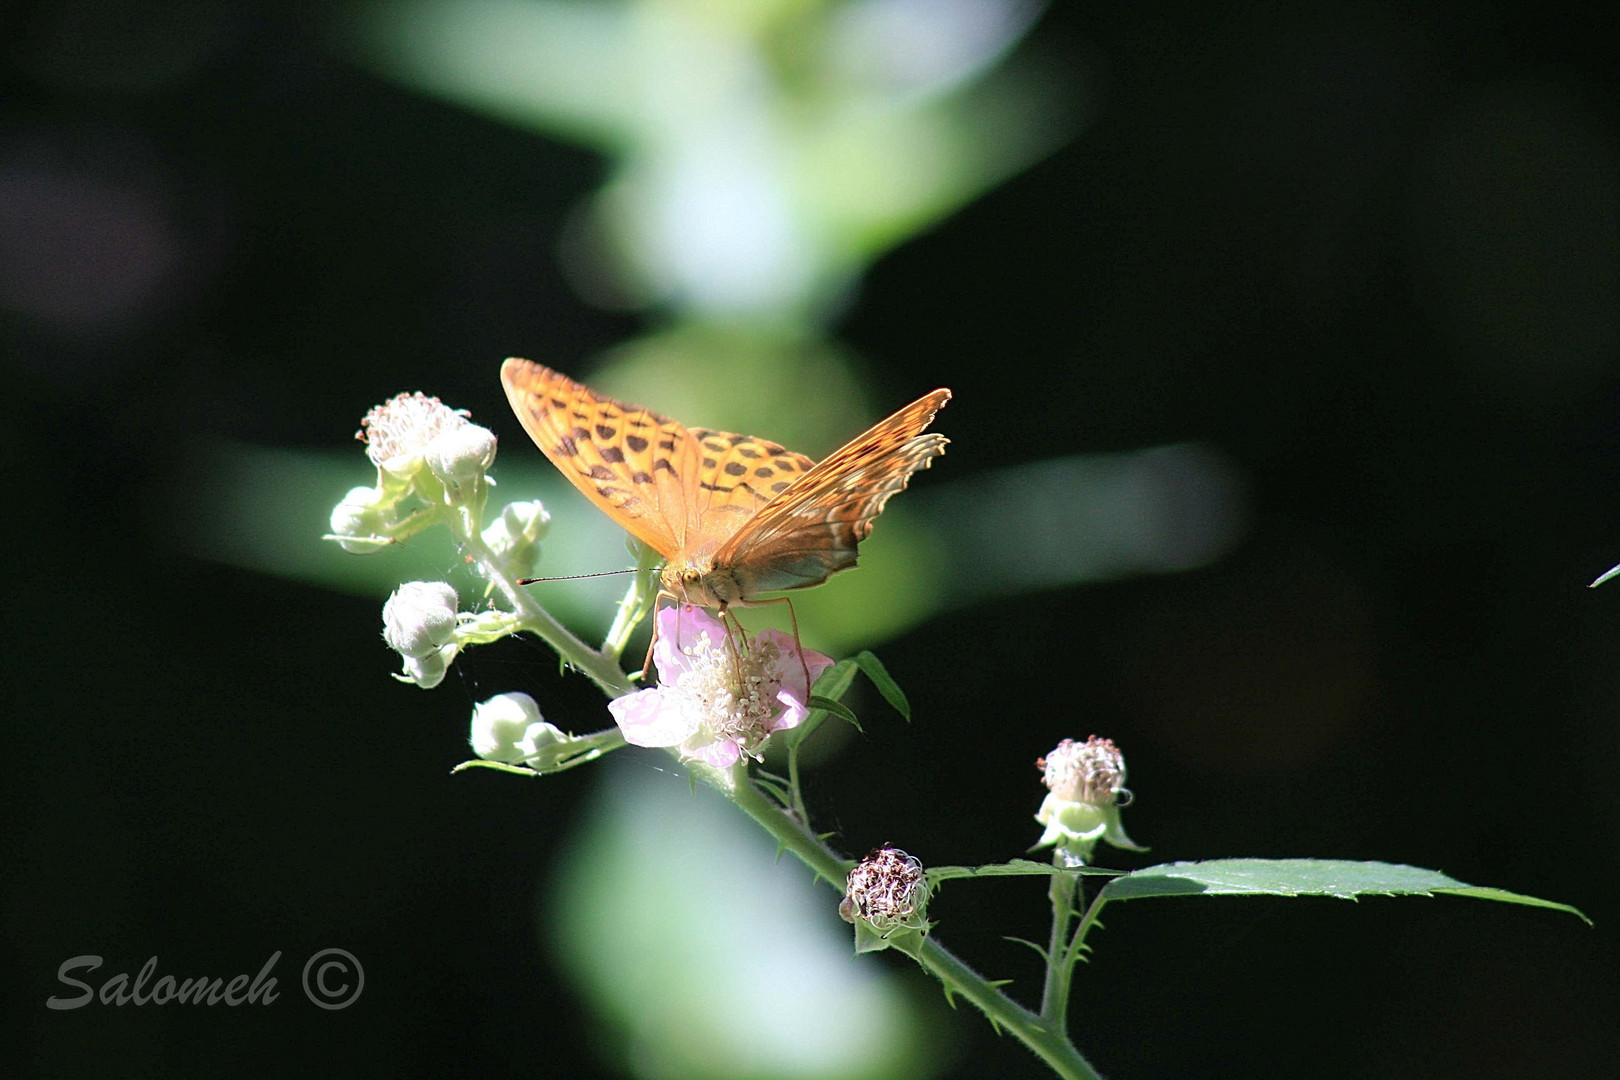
(798, 642)
(647, 662)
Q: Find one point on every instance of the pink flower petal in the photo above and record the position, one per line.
(721, 754)
(679, 626)
(789, 670)
(652, 718)
(793, 711)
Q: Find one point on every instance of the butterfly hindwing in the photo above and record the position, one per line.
(738, 476)
(637, 466)
(811, 529)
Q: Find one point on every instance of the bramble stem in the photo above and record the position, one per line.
(1059, 970)
(1046, 1039)
(1044, 1034)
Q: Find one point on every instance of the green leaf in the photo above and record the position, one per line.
(1014, 868)
(1611, 572)
(837, 708)
(1340, 878)
(833, 684)
(835, 681)
(874, 669)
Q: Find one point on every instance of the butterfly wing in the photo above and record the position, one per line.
(811, 529)
(640, 468)
(738, 475)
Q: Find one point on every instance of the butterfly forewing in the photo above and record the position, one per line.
(811, 529)
(639, 467)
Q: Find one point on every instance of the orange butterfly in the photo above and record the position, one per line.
(732, 515)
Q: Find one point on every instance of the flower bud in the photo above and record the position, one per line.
(886, 893)
(508, 728)
(427, 670)
(515, 536)
(461, 453)
(420, 617)
(358, 521)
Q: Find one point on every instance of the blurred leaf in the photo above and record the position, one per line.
(740, 969)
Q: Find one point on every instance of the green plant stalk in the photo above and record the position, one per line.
(599, 668)
(1046, 1039)
(639, 599)
(1059, 970)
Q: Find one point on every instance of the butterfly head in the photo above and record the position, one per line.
(700, 582)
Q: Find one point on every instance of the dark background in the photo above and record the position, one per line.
(1372, 253)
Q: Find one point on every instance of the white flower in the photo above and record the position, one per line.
(398, 431)
(515, 536)
(427, 670)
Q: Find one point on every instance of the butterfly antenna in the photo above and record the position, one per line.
(578, 577)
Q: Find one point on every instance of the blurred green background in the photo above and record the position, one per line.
(1286, 353)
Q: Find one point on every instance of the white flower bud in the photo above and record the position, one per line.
(459, 454)
(427, 671)
(515, 536)
(359, 521)
(508, 728)
(420, 617)
(529, 520)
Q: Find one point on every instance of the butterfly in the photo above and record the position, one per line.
(733, 516)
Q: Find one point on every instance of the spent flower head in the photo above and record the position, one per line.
(1085, 790)
(885, 894)
(1089, 772)
(718, 699)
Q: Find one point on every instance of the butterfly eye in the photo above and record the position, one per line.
(690, 576)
